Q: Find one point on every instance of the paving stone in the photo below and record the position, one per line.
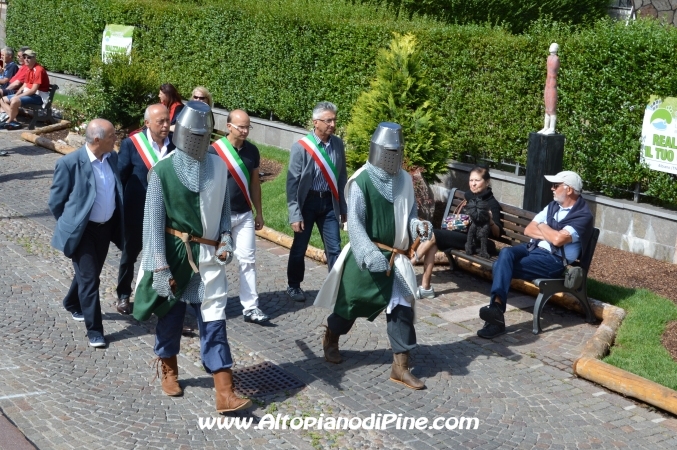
(519, 385)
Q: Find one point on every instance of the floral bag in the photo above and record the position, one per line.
(456, 221)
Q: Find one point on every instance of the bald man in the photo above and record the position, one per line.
(138, 153)
(242, 158)
(86, 201)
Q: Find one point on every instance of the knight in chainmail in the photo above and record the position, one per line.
(373, 273)
(186, 245)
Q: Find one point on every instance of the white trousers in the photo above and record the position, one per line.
(244, 239)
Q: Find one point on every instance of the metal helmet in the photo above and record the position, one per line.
(193, 129)
(387, 147)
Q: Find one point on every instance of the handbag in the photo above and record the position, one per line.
(457, 221)
(573, 277)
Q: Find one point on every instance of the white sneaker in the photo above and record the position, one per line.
(3, 117)
(426, 293)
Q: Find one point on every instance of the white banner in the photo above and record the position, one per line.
(116, 39)
(659, 134)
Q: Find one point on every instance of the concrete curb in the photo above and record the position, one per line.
(588, 364)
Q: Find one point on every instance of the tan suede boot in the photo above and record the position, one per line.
(226, 400)
(330, 344)
(400, 372)
(170, 376)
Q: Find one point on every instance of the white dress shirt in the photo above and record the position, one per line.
(162, 152)
(104, 203)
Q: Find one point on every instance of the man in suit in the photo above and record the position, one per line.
(138, 153)
(315, 182)
(86, 201)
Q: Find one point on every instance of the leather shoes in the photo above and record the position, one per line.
(123, 306)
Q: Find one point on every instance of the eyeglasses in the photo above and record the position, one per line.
(240, 128)
(197, 97)
(328, 121)
(556, 185)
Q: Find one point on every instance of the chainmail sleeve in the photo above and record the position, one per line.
(366, 254)
(154, 254)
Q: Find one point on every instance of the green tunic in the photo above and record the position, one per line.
(363, 293)
(182, 209)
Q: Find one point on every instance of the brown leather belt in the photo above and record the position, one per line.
(190, 237)
(186, 238)
(392, 257)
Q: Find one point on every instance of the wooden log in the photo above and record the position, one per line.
(286, 241)
(626, 383)
(47, 143)
(55, 127)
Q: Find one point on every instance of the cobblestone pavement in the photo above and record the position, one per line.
(62, 394)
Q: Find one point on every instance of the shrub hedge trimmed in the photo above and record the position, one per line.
(514, 15)
(277, 58)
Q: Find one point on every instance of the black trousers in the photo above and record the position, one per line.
(130, 253)
(400, 327)
(88, 260)
(453, 239)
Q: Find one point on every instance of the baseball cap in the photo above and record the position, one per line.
(567, 177)
(29, 52)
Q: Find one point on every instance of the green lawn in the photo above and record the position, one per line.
(638, 347)
(274, 198)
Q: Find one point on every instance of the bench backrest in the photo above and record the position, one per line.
(586, 259)
(52, 91)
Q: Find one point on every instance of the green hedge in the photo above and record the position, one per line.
(514, 15)
(278, 58)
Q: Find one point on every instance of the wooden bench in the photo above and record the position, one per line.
(42, 112)
(515, 220)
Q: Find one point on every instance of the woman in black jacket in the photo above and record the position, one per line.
(453, 239)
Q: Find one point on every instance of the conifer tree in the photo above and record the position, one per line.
(399, 94)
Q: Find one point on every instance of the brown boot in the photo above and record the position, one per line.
(330, 344)
(400, 372)
(170, 376)
(226, 400)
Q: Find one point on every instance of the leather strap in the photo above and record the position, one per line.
(186, 238)
(392, 257)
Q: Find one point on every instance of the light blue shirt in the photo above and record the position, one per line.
(319, 182)
(571, 250)
(104, 203)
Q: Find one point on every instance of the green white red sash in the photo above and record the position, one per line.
(323, 162)
(235, 165)
(148, 155)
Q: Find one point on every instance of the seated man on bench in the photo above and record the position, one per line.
(559, 234)
(35, 91)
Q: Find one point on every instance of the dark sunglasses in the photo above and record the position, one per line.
(195, 97)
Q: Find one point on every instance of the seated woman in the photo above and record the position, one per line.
(171, 98)
(453, 239)
(202, 94)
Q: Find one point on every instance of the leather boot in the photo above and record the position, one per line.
(400, 372)
(330, 344)
(226, 400)
(170, 376)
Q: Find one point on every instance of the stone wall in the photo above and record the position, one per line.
(663, 10)
(634, 227)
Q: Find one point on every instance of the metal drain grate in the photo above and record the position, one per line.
(264, 378)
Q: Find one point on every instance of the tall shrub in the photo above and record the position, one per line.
(118, 91)
(399, 93)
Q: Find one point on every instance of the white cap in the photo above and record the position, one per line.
(567, 177)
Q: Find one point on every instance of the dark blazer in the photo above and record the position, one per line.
(134, 178)
(71, 198)
(300, 179)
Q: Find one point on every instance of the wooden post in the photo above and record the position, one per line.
(544, 157)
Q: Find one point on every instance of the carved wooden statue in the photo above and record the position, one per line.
(550, 93)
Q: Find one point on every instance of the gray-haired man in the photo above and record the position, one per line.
(315, 182)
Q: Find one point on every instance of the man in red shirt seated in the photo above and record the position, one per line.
(19, 78)
(35, 91)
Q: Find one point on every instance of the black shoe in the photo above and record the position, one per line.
(78, 316)
(123, 306)
(492, 314)
(296, 294)
(491, 330)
